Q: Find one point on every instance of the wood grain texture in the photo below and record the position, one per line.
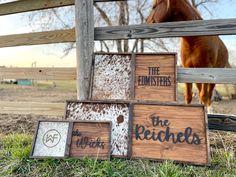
(195, 75)
(169, 29)
(38, 73)
(35, 108)
(36, 38)
(155, 77)
(30, 5)
(84, 17)
(179, 118)
(207, 75)
(91, 139)
(117, 113)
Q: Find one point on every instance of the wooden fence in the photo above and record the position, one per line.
(84, 35)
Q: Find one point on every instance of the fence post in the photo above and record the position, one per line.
(84, 29)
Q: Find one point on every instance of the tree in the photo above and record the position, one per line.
(109, 14)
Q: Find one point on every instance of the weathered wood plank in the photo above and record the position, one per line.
(30, 5)
(169, 29)
(173, 29)
(84, 17)
(35, 108)
(38, 73)
(222, 122)
(207, 75)
(193, 75)
(48, 37)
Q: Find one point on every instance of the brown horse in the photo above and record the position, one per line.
(196, 52)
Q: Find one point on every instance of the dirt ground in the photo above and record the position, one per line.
(12, 123)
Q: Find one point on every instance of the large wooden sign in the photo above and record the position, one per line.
(91, 139)
(117, 113)
(170, 132)
(134, 77)
(51, 139)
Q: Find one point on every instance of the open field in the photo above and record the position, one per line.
(16, 136)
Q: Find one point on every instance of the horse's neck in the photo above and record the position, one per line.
(183, 11)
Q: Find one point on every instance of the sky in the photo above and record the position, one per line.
(51, 55)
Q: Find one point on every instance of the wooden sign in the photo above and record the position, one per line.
(51, 139)
(170, 132)
(134, 77)
(117, 113)
(155, 77)
(91, 139)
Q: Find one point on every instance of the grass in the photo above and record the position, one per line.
(61, 85)
(14, 161)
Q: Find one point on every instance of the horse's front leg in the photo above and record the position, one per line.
(188, 93)
(210, 93)
(199, 88)
(204, 94)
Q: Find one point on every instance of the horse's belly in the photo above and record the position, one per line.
(200, 53)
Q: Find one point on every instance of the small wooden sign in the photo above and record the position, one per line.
(149, 76)
(170, 132)
(155, 77)
(117, 113)
(51, 139)
(91, 139)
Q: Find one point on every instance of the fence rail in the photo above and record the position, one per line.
(207, 75)
(184, 75)
(35, 108)
(38, 73)
(48, 37)
(168, 29)
(173, 29)
(30, 5)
